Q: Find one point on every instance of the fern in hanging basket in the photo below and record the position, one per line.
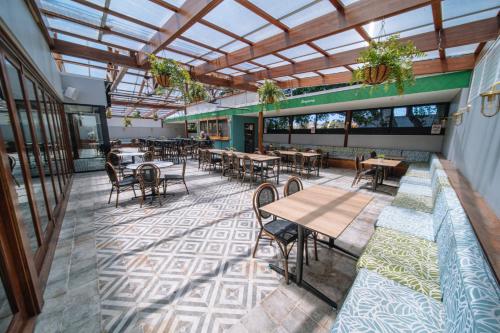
(136, 114)
(127, 122)
(155, 116)
(168, 72)
(109, 114)
(270, 93)
(387, 61)
(196, 92)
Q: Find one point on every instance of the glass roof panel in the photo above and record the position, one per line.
(333, 70)
(454, 8)
(176, 3)
(126, 86)
(304, 75)
(98, 2)
(320, 8)
(470, 18)
(356, 66)
(188, 47)
(428, 56)
(348, 2)
(74, 10)
(227, 71)
(266, 60)
(228, 15)
(461, 50)
(256, 69)
(136, 71)
(132, 78)
(76, 69)
(174, 55)
(348, 47)
(72, 27)
(236, 45)
(246, 66)
(278, 9)
(143, 10)
(265, 32)
(417, 31)
(203, 34)
(408, 20)
(125, 42)
(277, 64)
(297, 51)
(81, 41)
(212, 55)
(238, 73)
(308, 57)
(129, 28)
(196, 62)
(98, 73)
(283, 78)
(338, 40)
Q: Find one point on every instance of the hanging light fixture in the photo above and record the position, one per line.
(490, 103)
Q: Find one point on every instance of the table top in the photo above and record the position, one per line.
(254, 157)
(159, 164)
(394, 157)
(291, 152)
(131, 153)
(381, 162)
(327, 210)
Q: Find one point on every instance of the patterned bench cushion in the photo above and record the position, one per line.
(377, 304)
(423, 203)
(408, 221)
(415, 180)
(471, 294)
(411, 261)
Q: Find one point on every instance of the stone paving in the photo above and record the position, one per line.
(186, 266)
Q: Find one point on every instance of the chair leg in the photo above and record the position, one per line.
(187, 191)
(315, 237)
(256, 244)
(286, 269)
(133, 189)
(306, 250)
(110, 193)
(117, 195)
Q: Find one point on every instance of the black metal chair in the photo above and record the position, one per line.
(368, 174)
(120, 185)
(176, 178)
(148, 175)
(283, 232)
(12, 164)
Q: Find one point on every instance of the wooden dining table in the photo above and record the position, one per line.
(380, 164)
(323, 209)
(256, 158)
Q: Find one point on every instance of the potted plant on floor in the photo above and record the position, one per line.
(127, 122)
(270, 93)
(196, 92)
(389, 61)
(168, 72)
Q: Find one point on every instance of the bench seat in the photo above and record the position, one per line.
(408, 221)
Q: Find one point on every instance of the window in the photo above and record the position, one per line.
(277, 125)
(373, 121)
(330, 122)
(303, 123)
(192, 128)
(418, 118)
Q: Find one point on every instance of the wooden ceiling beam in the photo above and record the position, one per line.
(419, 67)
(116, 46)
(146, 105)
(187, 15)
(437, 18)
(474, 32)
(119, 76)
(225, 32)
(263, 14)
(166, 5)
(356, 14)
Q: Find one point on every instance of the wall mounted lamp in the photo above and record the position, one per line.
(490, 103)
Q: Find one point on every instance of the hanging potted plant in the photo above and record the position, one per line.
(155, 116)
(270, 93)
(167, 72)
(127, 122)
(136, 114)
(109, 114)
(388, 61)
(196, 92)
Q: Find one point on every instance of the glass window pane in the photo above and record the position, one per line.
(73, 10)
(263, 33)
(303, 123)
(341, 39)
(49, 132)
(419, 116)
(278, 9)
(276, 124)
(207, 36)
(71, 27)
(55, 142)
(146, 11)
(26, 207)
(320, 8)
(59, 134)
(330, 122)
(409, 20)
(375, 118)
(129, 28)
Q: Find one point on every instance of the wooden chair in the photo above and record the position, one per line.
(176, 178)
(368, 174)
(120, 185)
(298, 163)
(237, 168)
(118, 164)
(294, 185)
(227, 166)
(148, 157)
(273, 229)
(247, 169)
(148, 175)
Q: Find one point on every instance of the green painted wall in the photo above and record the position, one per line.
(424, 84)
(238, 131)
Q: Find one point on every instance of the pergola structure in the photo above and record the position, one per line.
(239, 43)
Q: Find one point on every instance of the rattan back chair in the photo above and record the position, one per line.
(271, 228)
(120, 185)
(148, 175)
(293, 185)
(298, 163)
(227, 165)
(247, 168)
(148, 157)
(368, 174)
(12, 165)
(176, 178)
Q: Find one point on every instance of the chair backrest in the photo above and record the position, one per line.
(373, 154)
(236, 161)
(147, 157)
(183, 168)
(264, 194)
(110, 170)
(148, 174)
(114, 159)
(293, 185)
(12, 163)
(226, 160)
(299, 159)
(247, 163)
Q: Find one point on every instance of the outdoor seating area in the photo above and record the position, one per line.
(249, 166)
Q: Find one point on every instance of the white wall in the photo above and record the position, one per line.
(474, 145)
(276, 138)
(231, 101)
(431, 143)
(90, 90)
(142, 128)
(318, 139)
(19, 21)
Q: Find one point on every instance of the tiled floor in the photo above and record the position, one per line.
(186, 266)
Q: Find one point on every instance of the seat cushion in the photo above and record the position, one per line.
(173, 177)
(423, 203)
(284, 230)
(408, 221)
(415, 180)
(377, 304)
(128, 181)
(411, 261)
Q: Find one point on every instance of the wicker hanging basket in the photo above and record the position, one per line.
(376, 75)
(163, 80)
